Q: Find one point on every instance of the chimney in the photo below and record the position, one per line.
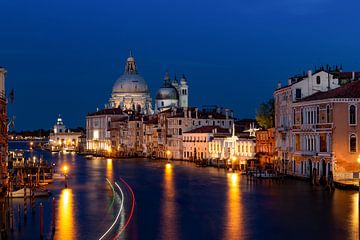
(227, 113)
(289, 81)
(353, 76)
(279, 85)
(196, 113)
(309, 82)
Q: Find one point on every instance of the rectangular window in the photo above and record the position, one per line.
(297, 142)
(323, 143)
(298, 94)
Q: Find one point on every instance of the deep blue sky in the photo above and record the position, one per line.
(64, 56)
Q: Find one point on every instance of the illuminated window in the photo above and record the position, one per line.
(352, 114)
(352, 143)
(96, 134)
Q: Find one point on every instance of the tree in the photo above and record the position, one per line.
(265, 114)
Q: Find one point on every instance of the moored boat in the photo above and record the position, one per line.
(37, 193)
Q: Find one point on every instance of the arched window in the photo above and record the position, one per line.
(317, 114)
(162, 103)
(180, 131)
(318, 80)
(352, 114)
(352, 143)
(328, 114)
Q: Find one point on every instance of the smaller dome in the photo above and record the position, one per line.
(167, 93)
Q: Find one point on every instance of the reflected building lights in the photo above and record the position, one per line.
(65, 219)
(355, 217)
(233, 223)
(169, 214)
(109, 169)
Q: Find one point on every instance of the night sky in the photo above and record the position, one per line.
(64, 56)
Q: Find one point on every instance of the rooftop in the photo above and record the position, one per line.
(208, 129)
(107, 111)
(350, 90)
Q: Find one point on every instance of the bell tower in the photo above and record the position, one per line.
(183, 92)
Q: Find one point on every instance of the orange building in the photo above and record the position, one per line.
(325, 132)
(265, 147)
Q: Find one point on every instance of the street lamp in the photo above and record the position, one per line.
(65, 169)
(168, 153)
(233, 162)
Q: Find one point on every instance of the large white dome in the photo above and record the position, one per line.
(130, 83)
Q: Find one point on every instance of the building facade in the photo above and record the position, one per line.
(3, 131)
(172, 94)
(130, 91)
(298, 88)
(217, 143)
(63, 139)
(326, 134)
(98, 129)
(265, 147)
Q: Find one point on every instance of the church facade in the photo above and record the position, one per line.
(172, 94)
(130, 91)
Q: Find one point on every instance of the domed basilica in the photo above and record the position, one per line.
(131, 92)
(172, 94)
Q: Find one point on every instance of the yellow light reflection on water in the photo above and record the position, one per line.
(65, 219)
(355, 217)
(109, 169)
(233, 222)
(169, 214)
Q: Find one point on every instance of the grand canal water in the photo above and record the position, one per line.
(183, 201)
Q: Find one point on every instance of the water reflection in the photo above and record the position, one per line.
(65, 219)
(109, 169)
(355, 217)
(169, 215)
(233, 222)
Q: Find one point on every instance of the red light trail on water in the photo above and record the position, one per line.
(131, 212)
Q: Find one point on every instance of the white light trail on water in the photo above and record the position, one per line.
(118, 215)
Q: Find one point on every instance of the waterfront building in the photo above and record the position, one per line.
(98, 129)
(299, 87)
(118, 135)
(130, 91)
(265, 147)
(326, 133)
(63, 139)
(196, 142)
(217, 143)
(239, 151)
(185, 119)
(3, 131)
(151, 139)
(172, 94)
(136, 135)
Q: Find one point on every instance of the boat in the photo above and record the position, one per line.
(266, 174)
(38, 192)
(58, 176)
